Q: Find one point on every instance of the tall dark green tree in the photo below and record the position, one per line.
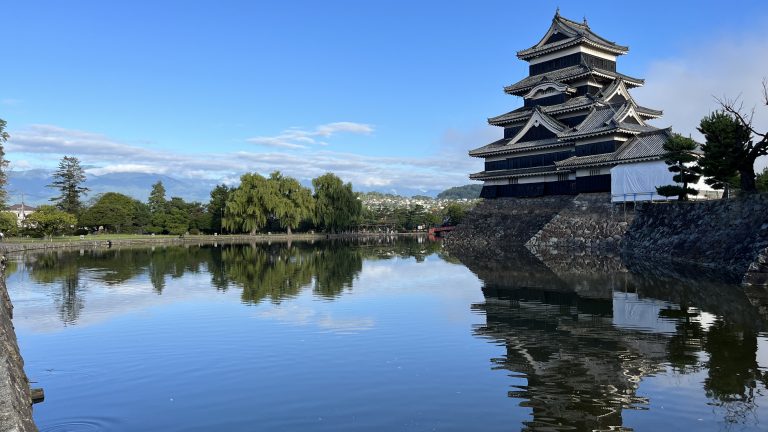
(336, 206)
(158, 207)
(725, 154)
(216, 206)
(68, 179)
(747, 151)
(680, 154)
(3, 165)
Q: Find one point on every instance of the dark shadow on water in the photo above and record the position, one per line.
(583, 331)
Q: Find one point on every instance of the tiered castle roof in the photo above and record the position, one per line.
(573, 97)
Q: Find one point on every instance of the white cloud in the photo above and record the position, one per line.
(126, 168)
(686, 86)
(448, 166)
(21, 165)
(298, 138)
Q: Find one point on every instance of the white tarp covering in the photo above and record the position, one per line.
(638, 181)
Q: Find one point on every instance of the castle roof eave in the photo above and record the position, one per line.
(534, 52)
(565, 75)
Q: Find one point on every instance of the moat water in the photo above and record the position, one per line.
(385, 335)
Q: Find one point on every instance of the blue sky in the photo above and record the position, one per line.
(389, 95)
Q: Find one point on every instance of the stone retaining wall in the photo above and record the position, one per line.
(729, 236)
(585, 221)
(15, 400)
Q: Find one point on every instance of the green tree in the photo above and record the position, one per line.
(745, 151)
(3, 165)
(454, 213)
(246, 209)
(8, 224)
(48, 220)
(216, 205)
(177, 217)
(761, 181)
(336, 206)
(680, 155)
(115, 212)
(292, 203)
(157, 208)
(724, 151)
(199, 217)
(68, 179)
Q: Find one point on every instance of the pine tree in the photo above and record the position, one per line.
(680, 155)
(724, 149)
(158, 208)
(750, 144)
(3, 165)
(68, 179)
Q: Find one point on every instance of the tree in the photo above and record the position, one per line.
(68, 179)
(116, 212)
(157, 208)
(292, 203)
(454, 213)
(761, 181)
(3, 165)
(8, 224)
(680, 155)
(246, 209)
(724, 151)
(752, 148)
(336, 206)
(48, 220)
(177, 217)
(219, 196)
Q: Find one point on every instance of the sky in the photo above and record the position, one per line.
(388, 95)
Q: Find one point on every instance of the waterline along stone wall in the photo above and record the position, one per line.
(585, 221)
(729, 236)
(15, 400)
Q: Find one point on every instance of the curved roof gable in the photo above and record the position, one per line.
(538, 118)
(563, 33)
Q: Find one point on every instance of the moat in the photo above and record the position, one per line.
(383, 335)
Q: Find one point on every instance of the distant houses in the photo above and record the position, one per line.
(21, 211)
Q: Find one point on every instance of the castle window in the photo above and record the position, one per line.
(562, 176)
(594, 172)
(513, 180)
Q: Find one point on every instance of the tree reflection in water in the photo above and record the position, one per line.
(275, 271)
(582, 349)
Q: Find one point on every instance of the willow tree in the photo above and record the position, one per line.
(246, 209)
(291, 202)
(336, 206)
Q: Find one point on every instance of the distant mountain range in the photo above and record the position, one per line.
(32, 184)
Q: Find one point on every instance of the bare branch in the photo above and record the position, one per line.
(765, 90)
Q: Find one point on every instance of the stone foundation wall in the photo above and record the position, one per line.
(590, 221)
(729, 236)
(15, 400)
(585, 221)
